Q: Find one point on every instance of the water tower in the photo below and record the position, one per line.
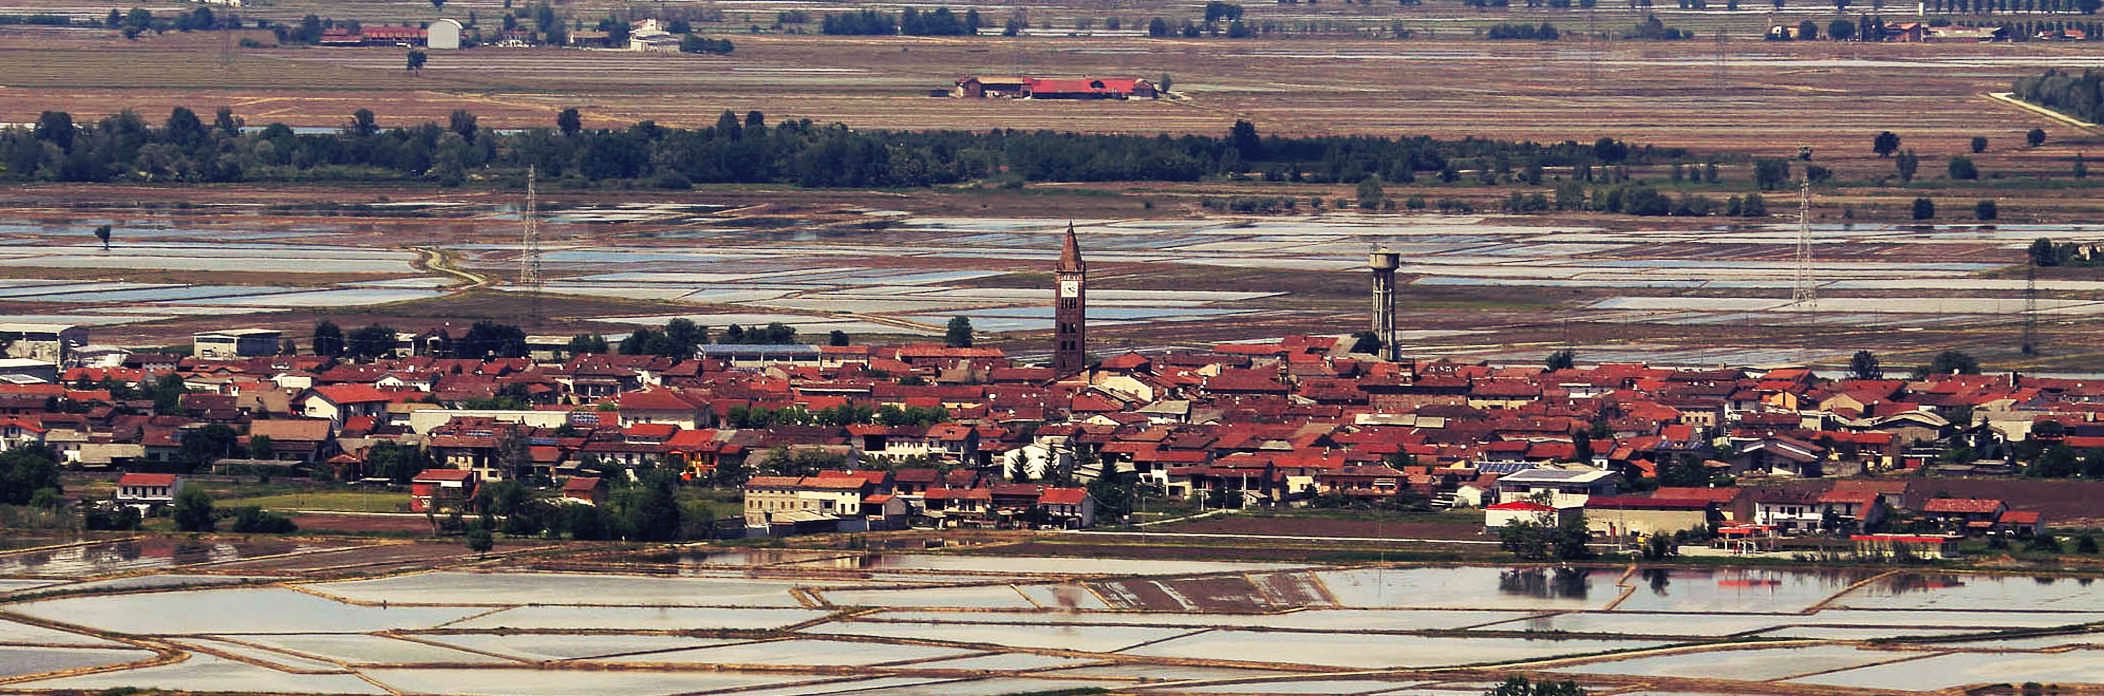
(1383, 263)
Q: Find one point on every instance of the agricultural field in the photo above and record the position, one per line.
(1501, 287)
(792, 622)
(1743, 95)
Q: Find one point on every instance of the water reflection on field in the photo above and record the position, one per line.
(103, 558)
(777, 621)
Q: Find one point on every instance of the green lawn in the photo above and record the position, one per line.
(344, 501)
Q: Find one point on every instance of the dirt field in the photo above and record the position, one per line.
(1763, 97)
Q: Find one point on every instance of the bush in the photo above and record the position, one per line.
(1962, 168)
(2087, 543)
(479, 539)
(702, 44)
(122, 518)
(193, 511)
(254, 520)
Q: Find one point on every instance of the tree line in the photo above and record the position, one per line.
(184, 148)
(2080, 96)
(940, 21)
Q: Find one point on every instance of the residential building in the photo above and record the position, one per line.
(147, 492)
(441, 490)
(1558, 488)
(234, 344)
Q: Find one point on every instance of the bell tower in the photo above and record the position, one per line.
(1070, 310)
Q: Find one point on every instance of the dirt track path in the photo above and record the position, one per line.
(429, 259)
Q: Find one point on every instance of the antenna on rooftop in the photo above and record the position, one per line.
(530, 250)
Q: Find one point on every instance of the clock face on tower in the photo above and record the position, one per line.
(1069, 288)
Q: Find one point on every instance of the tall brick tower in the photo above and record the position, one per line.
(1383, 264)
(1070, 310)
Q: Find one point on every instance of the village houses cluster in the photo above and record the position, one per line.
(858, 437)
(861, 437)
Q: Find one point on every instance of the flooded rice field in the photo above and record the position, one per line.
(1178, 281)
(819, 622)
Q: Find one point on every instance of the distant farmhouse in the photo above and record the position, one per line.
(996, 87)
(375, 36)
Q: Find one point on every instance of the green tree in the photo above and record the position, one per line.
(1563, 359)
(1528, 541)
(416, 61)
(1979, 144)
(2043, 252)
(260, 447)
(370, 342)
(959, 333)
(1243, 138)
(1951, 362)
(1114, 494)
(1371, 193)
(2081, 168)
(488, 339)
(363, 124)
(1962, 168)
(397, 463)
(1771, 173)
(166, 393)
(651, 510)
(838, 338)
(255, 520)
(480, 540)
(2036, 137)
(202, 446)
(1864, 365)
(328, 339)
(1986, 210)
(193, 510)
(581, 344)
(569, 122)
(102, 232)
(1924, 209)
(1906, 165)
(26, 470)
(1885, 143)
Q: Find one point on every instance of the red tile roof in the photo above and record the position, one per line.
(437, 475)
(131, 479)
(1062, 496)
(1962, 506)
